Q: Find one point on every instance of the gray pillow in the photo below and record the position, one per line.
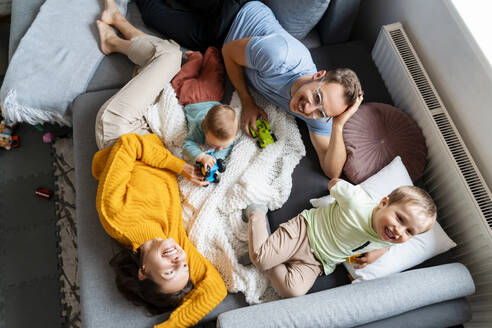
(298, 17)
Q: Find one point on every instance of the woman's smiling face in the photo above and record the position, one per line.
(164, 262)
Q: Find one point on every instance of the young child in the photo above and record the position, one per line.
(316, 240)
(211, 125)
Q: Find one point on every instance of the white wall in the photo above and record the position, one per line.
(455, 64)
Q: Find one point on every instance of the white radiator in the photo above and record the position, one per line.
(463, 199)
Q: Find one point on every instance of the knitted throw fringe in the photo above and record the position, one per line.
(212, 215)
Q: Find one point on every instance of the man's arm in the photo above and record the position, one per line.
(234, 54)
(331, 152)
(331, 149)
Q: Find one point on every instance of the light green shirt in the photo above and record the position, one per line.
(344, 228)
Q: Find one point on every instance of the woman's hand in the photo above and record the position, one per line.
(207, 160)
(192, 173)
(368, 258)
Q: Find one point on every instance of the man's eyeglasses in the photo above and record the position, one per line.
(319, 114)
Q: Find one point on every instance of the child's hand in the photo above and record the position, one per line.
(192, 173)
(368, 258)
(207, 160)
(333, 182)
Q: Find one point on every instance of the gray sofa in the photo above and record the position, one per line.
(431, 296)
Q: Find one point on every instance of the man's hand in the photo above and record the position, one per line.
(207, 160)
(345, 116)
(249, 115)
(368, 258)
(192, 173)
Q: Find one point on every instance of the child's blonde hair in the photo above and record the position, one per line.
(221, 121)
(418, 197)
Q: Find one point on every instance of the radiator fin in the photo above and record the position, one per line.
(415, 70)
(466, 167)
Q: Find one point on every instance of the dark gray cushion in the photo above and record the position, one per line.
(116, 70)
(337, 22)
(308, 180)
(444, 314)
(307, 14)
(23, 14)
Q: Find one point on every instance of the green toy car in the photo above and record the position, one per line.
(265, 135)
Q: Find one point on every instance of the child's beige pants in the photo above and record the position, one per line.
(123, 113)
(285, 256)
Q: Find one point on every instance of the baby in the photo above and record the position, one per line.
(317, 239)
(211, 125)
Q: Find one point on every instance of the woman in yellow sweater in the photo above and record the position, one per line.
(139, 206)
(138, 197)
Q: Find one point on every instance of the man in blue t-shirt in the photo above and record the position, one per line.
(281, 68)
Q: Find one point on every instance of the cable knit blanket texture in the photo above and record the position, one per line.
(212, 215)
(54, 62)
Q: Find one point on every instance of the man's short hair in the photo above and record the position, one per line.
(350, 82)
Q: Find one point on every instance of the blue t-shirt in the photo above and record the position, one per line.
(275, 58)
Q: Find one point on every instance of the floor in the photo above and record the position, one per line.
(29, 281)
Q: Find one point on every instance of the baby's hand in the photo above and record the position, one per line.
(207, 160)
(367, 258)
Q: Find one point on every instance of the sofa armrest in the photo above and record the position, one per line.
(359, 303)
(336, 24)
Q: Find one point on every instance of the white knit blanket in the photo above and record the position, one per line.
(212, 215)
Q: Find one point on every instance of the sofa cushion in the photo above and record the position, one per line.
(308, 180)
(375, 135)
(23, 13)
(116, 70)
(337, 22)
(307, 14)
(101, 303)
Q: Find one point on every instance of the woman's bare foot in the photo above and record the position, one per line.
(189, 53)
(107, 36)
(111, 12)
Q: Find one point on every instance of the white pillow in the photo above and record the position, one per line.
(399, 257)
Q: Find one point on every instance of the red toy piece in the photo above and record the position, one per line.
(43, 193)
(15, 142)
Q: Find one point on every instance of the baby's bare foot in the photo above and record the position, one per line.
(106, 35)
(111, 12)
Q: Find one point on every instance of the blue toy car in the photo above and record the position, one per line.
(211, 174)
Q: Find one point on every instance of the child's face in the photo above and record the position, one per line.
(397, 222)
(216, 143)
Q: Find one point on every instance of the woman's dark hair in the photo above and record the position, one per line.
(143, 292)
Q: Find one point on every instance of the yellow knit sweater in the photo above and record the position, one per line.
(138, 200)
